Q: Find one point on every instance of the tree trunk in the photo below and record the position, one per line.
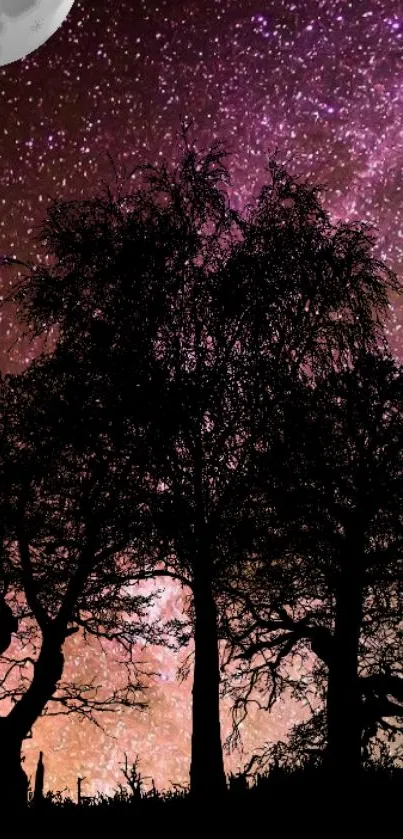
(207, 777)
(39, 781)
(48, 671)
(13, 780)
(343, 694)
(15, 727)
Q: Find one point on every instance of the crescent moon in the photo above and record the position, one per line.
(27, 24)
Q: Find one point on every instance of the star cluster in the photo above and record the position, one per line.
(320, 80)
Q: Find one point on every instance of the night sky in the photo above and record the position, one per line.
(322, 81)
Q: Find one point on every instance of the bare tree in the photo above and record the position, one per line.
(134, 778)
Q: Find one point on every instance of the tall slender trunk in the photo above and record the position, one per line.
(207, 776)
(343, 694)
(15, 727)
(39, 780)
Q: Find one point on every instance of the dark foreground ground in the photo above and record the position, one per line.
(281, 804)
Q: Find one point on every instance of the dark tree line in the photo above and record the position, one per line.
(206, 415)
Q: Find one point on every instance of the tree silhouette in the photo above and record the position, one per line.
(38, 796)
(215, 308)
(8, 624)
(64, 530)
(334, 487)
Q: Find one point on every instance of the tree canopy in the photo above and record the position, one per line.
(184, 331)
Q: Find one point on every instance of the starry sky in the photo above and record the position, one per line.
(322, 80)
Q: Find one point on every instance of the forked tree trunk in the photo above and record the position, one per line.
(207, 776)
(344, 723)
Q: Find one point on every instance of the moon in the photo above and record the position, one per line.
(27, 24)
